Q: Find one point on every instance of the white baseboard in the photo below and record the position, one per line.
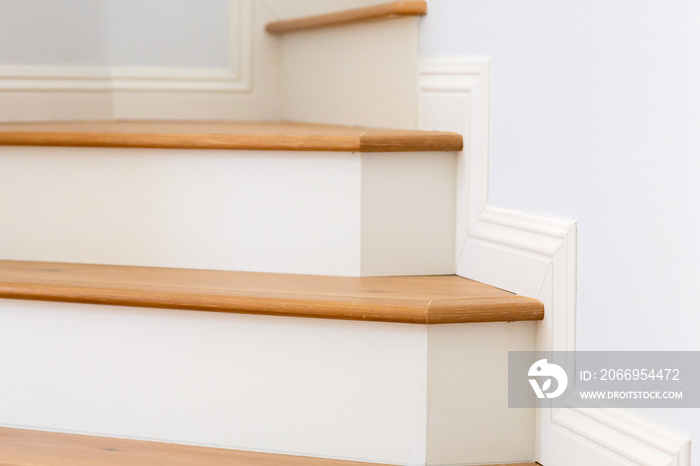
(611, 437)
(453, 96)
(534, 256)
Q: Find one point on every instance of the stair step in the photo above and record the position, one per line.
(37, 448)
(356, 15)
(412, 299)
(226, 135)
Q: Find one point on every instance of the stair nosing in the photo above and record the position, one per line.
(279, 136)
(413, 300)
(351, 16)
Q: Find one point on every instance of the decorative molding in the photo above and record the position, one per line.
(612, 437)
(529, 255)
(235, 78)
(454, 95)
(50, 78)
(534, 256)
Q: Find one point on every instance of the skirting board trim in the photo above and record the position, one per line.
(534, 256)
(453, 94)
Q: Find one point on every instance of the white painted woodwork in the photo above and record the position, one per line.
(599, 156)
(358, 74)
(469, 421)
(328, 213)
(314, 387)
(361, 74)
(534, 256)
(341, 389)
(30, 105)
(246, 86)
(408, 205)
(611, 437)
(453, 93)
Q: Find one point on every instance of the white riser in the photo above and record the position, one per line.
(468, 416)
(359, 74)
(267, 211)
(342, 389)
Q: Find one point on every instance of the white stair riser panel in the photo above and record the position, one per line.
(469, 421)
(340, 389)
(358, 74)
(408, 213)
(243, 210)
(262, 211)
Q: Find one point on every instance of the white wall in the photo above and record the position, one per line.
(595, 117)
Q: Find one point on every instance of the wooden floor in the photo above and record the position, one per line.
(19, 447)
(417, 300)
(226, 135)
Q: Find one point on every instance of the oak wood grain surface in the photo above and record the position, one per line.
(417, 299)
(19, 447)
(356, 15)
(232, 135)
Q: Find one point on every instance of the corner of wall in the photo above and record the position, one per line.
(534, 256)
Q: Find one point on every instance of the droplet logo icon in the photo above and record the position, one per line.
(542, 369)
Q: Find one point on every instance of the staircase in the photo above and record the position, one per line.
(271, 292)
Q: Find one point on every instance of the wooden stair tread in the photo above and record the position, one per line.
(22, 447)
(232, 135)
(417, 299)
(355, 15)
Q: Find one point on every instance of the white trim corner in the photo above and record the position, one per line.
(610, 437)
(534, 256)
(453, 95)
